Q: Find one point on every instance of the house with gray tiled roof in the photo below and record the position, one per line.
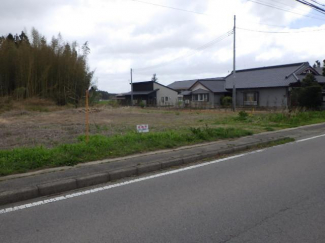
(269, 86)
(201, 92)
(182, 85)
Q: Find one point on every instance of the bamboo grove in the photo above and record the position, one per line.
(31, 67)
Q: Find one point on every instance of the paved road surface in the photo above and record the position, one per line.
(276, 195)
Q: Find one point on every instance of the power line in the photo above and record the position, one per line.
(164, 6)
(194, 12)
(280, 32)
(288, 5)
(311, 5)
(286, 10)
(321, 4)
(200, 48)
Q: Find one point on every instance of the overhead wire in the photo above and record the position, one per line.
(222, 37)
(321, 4)
(286, 10)
(194, 12)
(198, 49)
(296, 8)
(311, 5)
(280, 32)
(174, 8)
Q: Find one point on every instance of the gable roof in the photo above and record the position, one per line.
(320, 79)
(200, 91)
(264, 77)
(138, 93)
(165, 86)
(155, 83)
(186, 84)
(207, 82)
(215, 85)
(319, 70)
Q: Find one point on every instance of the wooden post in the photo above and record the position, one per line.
(87, 116)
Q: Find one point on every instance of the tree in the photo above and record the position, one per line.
(94, 95)
(154, 78)
(316, 64)
(30, 67)
(309, 95)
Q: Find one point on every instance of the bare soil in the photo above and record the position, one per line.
(29, 125)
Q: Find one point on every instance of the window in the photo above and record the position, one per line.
(166, 99)
(203, 97)
(162, 100)
(200, 97)
(251, 98)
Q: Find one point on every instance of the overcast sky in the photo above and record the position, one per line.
(124, 34)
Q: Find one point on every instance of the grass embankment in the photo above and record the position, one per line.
(274, 143)
(101, 147)
(273, 121)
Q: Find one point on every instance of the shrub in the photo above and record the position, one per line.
(242, 115)
(309, 95)
(226, 101)
(141, 104)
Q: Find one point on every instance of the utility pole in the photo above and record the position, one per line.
(234, 72)
(131, 89)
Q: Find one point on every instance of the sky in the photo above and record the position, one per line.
(156, 37)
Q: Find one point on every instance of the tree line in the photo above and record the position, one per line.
(32, 67)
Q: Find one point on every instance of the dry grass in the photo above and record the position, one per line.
(36, 122)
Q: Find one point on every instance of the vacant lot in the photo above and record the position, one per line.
(50, 127)
(34, 122)
(37, 134)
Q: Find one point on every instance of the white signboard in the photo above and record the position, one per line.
(143, 128)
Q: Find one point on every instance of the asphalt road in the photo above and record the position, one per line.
(275, 195)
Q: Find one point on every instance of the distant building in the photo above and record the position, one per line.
(149, 93)
(201, 93)
(270, 86)
(256, 87)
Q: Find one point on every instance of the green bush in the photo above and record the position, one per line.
(309, 95)
(142, 104)
(242, 115)
(226, 101)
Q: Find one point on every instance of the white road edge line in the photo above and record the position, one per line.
(306, 139)
(78, 194)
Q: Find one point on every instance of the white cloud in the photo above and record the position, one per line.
(126, 34)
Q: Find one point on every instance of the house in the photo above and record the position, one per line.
(181, 86)
(149, 93)
(203, 93)
(269, 86)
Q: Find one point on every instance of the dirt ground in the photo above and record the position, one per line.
(26, 127)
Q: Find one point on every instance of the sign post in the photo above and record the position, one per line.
(143, 128)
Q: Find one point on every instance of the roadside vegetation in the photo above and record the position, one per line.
(101, 147)
(274, 121)
(39, 134)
